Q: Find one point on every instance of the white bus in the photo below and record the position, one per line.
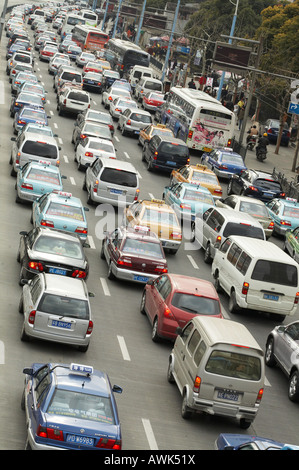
(70, 21)
(198, 119)
(91, 18)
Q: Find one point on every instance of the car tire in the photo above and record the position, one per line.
(84, 184)
(186, 412)
(277, 317)
(207, 254)
(102, 254)
(192, 237)
(293, 391)
(13, 172)
(229, 188)
(89, 200)
(149, 166)
(217, 285)
(80, 167)
(21, 305)
(232, 303)
(155, 336)
(142, 304)
(60, 112)
(23, 401)
(270, 360)
(83, 348)
(170, 377)
(244, 423)
(123, 132)
(24, 336)
(110, 273)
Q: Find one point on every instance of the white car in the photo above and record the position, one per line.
(55, 62)
(91, 148)
(83, 58)
(119, 105)
(108, 96)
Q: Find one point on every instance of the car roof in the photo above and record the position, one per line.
(237, 216)
(157, 204)
(70, 200)
(101, 141)
(49, 139)
(48, 167)
(247, 199)
(202, 168)
(66, 286)
(56, 233)
(192, 285)
(169, 138)
(96, 384)
(196, 187)
(147, 235)
(118, 164)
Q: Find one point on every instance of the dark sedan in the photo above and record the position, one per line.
(272, 127)
(256, 184)
(51, 251)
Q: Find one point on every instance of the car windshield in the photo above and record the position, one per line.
(76, 95)
(196, 304)
(198, 196)
(253, 209)
(39, 174)
(79, 405)
(119, 177)
(233, 159)
(57, 209)
(141, 118)
(64, 306)
(207, 178)
(275, 273)
(104, 146)
(58, 246)
(161, 217)
(142, 248)
(231, 364)
(291, 211)
(268, 184)
(95, 129)
(175, 149)
(243, 229)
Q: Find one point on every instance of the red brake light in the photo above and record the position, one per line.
(35, 265)
(81, 230)
(31, 317)
(260, 395)
(79, 274)
(47, 223)
(50, 433)
(106, 443)
(190, 134)
(27, 186)
(252, 188)
(128, 122)
(125, 262)
(89, 328)
(285, 222)
(88, 154)
(196, 385)
(245, 288)
(176, 236)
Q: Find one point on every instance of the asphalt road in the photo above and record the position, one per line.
(149, 406)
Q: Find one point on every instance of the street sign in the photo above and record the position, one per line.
(293, 108)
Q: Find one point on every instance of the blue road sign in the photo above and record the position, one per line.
(293, 108)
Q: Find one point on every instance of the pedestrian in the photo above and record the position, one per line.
(241, 113)
(191, 84)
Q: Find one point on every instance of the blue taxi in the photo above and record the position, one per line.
(284, 213)
(29, 114)
(70, 406)
(37, 178)
(227, 441)
(25, 99)
(20, 79)
(60, 210)
(224, 162)
(188, 199)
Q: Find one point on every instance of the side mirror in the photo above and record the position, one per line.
(24, 282)
(13, 139)
(281, 329)
(23, 233)
(117, 389)
(91, 294)
(86, 209)
(63, 177)
(49, 117)
(28, 371)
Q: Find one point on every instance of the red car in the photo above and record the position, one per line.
(134, 254)
(152, 100)
(92, 67)
(47, 52)
(172, 300)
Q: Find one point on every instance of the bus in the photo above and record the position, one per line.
(88, 38)
(123, 55)
(91, 18)
(198, 119)
(69, 22)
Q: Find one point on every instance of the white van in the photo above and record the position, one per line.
(257, 275)
(218, 368)
(145, 85)
(138, 72)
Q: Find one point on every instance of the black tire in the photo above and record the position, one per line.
(24, 337)
(232, 303)
(23, 401)
(170, 377)
(244, 423)
(155, 337)
(229, 188)
(217, 285)
(186, 412)
(142, 303)
(13, 172)
(207, 255)
(293, 391)
(270, 360)
(110, 273)
(21, 305)
(83, 348)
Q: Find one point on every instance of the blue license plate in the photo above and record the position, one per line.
(137, 132)
(87, 441)
(171, 163)
(140, 278)
(226, 395)
(90, 81)
(116, 191)
(62, 272)
(271, 297)
(61, 324)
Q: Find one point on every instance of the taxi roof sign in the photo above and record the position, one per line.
(81, 369)
(62, 193)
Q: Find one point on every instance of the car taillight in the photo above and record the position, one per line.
(47, 223)
(196, 385)
(190, 134)
(286, 223)
(31, 317)
(83, 136)
(282, 194)
(161, 269)
(136, 194)
(269, 131)
(229, 143)
(124, 262)
(128, 122)
(118, 110)
(50, 433)
(111, 127)
(260, 395)
(79, 274)
(185, 206)
(27, 186)
(176, 236)
(36, 266)
(105, 443)
(296, 300)
(252, 188)
(245, 288)
(218, 191)
(88, 154)
(95, 186)
(223, 167)
(271, 225)
(110, 98)
(64, 101)
(89, 328)
(167, 312)
(81, 230)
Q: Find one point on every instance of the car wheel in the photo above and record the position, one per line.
(80, 167)
(170, 377)
(102, 253)
(149, 166)
(143, 159)
(244, 423)
(23, 401)
(192, 237)
(21, 305)
(269, 354)
(24, 337)
(294, 386)
(155, 336)
(142, 304)
(13, 172)
(83, 348)
(84, 184)
(229, 188)
(123, 132)
(232, 303)
(18, 200)
(207, 255)
(277, 317)
(186, 412)
(110, 273)
(89, 200)
(217, 285)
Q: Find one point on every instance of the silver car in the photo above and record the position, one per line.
(119, 105)
(56, 309)
(131, 121)
(83, 58)
(282, 349)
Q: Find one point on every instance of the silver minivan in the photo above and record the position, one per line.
(56, 308)
(112, 182)
(147, 84)
(32, 147)
(218, 368)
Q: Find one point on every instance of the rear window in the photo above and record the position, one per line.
(233, 159)
(141, 118)
(23, 58)
(63, 210)
(276, 273)
(254, 209)
(268, 184)
(174, 149)
(38, 174)
(59, 247)
(120, 177)
(153, 86)
(245, 230)
(64, 306)
(78, 97)
(291, 211)
(142, 247)
(236, 365)
(196, 304)
(70, 76)
(40, 149)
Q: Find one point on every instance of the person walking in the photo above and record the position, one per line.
(241, 113)
(191, 84)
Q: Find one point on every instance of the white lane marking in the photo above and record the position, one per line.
(60, 140)
(72, 180)
(105, 286)
(151, 196)
(192, 262)
(48, 102)
(55, 125)
(149, 434)
(116, 138)
(94, 102)
(91, 242)
(139, 175)
(65, 159)
(123, 348)
(126, 154)
(51, 112)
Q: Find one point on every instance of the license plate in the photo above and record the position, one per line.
(61, 324)
(271, 297)
(207, 149)
(87, 441)
(57, 271)
(90, 81)
(140, 278)
(137, 132)
(116, 191)
(171, 163)
(227, 395)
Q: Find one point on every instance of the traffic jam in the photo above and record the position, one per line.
(127, 139)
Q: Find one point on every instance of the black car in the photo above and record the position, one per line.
(51, 251)
(165, 153)
(92, 81)
(256, 184)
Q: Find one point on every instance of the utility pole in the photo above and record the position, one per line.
(170, 40)
(116, 19)
(140, 23)
(2, 21)
(105, 14)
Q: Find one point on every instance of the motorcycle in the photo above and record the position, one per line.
(252, 142)
(261, 153)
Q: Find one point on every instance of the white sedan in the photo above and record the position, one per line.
(119, 105)
(108, 96)
(91, 148)
(83, 58)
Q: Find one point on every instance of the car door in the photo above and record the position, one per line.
(286, 346)
(35, 393)
(179, 352)
(155, 300)
(38, 208)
